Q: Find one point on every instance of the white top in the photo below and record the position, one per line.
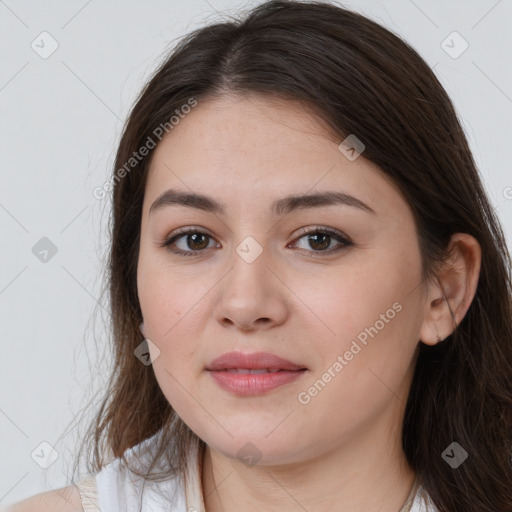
(117, 489)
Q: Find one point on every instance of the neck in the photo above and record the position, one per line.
(368, 472)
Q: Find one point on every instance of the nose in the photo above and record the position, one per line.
(252, 295)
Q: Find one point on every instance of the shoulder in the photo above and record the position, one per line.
(66, 499)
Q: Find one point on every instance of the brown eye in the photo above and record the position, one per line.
(192, 240)
(320, 240)
(196, 241)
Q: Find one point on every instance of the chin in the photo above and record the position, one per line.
(256, 449)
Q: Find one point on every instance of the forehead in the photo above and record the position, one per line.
(256, 148)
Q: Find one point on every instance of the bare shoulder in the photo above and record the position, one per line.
(65, 499)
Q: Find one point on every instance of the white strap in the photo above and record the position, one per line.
(89, 494)
(193, 489)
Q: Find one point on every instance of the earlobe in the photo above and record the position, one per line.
(142, 329)
(450, 297)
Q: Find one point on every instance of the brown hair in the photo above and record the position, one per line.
(361, 79)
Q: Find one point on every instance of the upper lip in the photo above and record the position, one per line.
(254, 361)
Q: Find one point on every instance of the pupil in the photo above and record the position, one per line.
(324, 236)
(193, 238)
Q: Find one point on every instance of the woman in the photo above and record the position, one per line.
(301, 238)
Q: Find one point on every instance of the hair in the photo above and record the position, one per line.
(358, 78)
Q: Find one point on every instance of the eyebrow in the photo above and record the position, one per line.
(280, 207)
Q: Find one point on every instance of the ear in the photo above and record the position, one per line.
(142, 329)
(449, 298)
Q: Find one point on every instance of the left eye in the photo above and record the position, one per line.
(196, 241)
(320, 240)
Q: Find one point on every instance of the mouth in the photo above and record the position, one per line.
(258, 361)
(253, 374)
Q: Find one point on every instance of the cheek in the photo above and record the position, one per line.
(177, 366)
(363, 365)
(369, 318)
(347, 301)
(169, 317)
(166, 298)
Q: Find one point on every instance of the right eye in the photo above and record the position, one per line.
(196, 240)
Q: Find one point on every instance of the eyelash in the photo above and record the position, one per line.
(340, 237)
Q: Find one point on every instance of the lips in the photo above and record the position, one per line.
(253, 374)
(259, 362)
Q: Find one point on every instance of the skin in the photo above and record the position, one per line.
(342, 450)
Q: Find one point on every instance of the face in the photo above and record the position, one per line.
(333, 287)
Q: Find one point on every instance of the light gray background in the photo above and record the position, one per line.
(61, 118)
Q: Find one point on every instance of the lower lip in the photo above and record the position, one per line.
(253, 384)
